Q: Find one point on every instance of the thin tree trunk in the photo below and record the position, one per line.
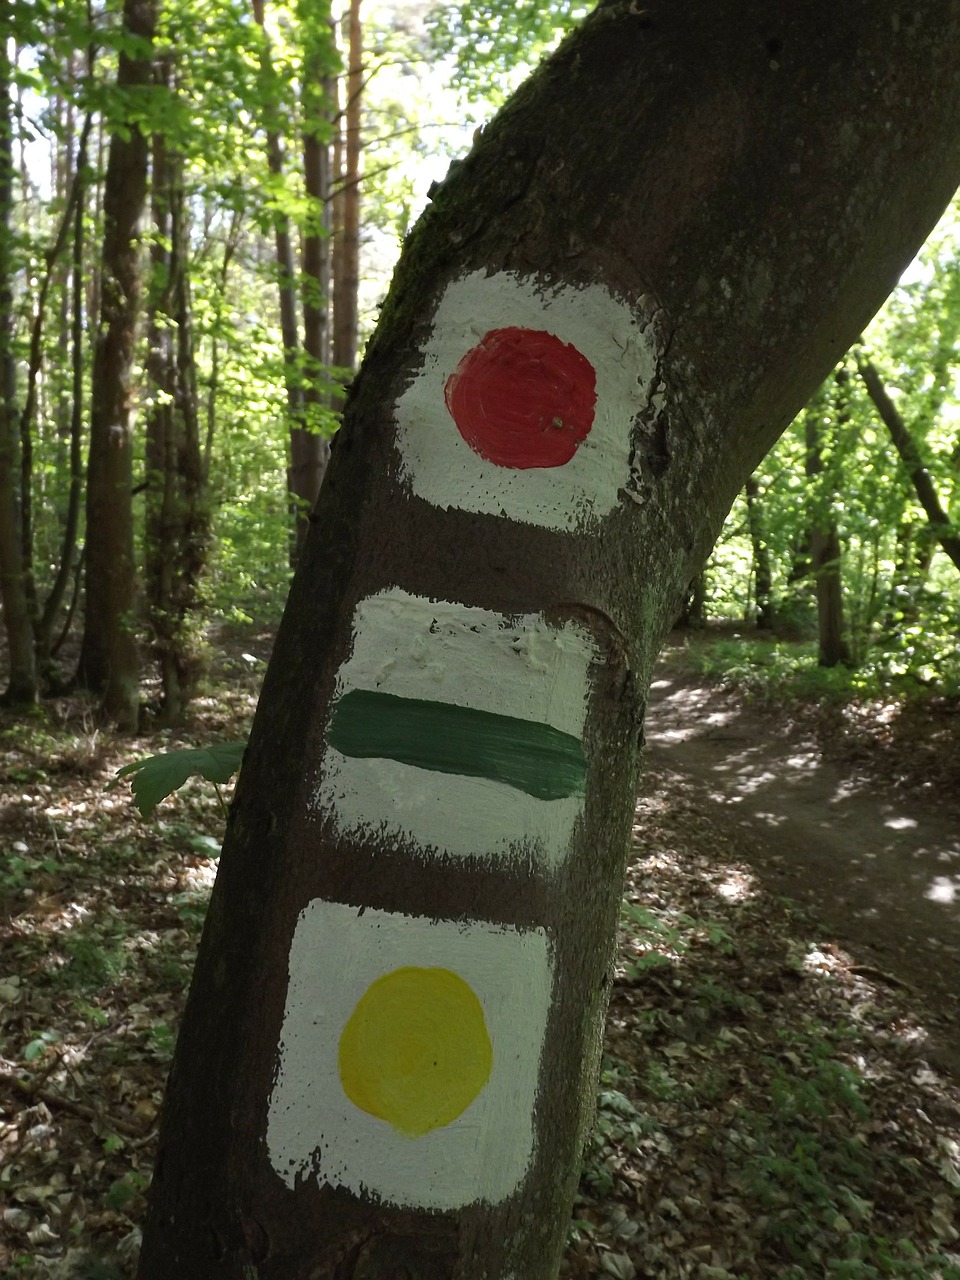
(915, 546)
(68, 222)
(825, 556)
(309, 448)
(22, 687)
(762, 569)
(176, 524)
(213, 382)
(346, 201)
(299, 464)
(109, 663)
(693, 613)
(941, 525)
(66, 566)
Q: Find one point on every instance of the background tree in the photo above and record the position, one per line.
(22, 686)
(721, 201)
(109, 663)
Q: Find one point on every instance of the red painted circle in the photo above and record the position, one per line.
(522, 398)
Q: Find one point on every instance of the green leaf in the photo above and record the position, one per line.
(156, 777)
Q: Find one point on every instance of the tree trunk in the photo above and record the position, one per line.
(47, 615)
(693, 609)
(286, 279)
(109, 664)
(762, 569)
(309, 447)
(22, 686)
(593, 336)
(176, 518)
(346, 203)
(940, 524)
(825, 554)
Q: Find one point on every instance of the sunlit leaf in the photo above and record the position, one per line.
(156, 777)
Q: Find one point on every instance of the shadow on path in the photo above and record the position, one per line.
(881, 870)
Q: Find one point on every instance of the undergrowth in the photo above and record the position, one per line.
(779, 671)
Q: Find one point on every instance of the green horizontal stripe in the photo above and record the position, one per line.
(532, 757)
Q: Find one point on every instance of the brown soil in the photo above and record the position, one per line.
(855, 815)
(733, 1015)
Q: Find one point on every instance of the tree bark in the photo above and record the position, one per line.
(762, 569)
(176, 509)
(76, 201)
(22, 686)
(286, 279)
(940, 524)
(109, 663)
(346, 202)
(825, 554)
(701, 242)
(309, 447)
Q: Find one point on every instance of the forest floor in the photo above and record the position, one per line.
(780, 1094)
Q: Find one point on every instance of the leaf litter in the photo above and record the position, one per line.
(767, 1106)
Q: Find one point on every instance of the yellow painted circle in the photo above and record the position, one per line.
(415, 1051)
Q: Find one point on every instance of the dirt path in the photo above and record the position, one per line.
(879, 869)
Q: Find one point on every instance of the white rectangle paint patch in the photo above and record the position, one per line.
(442, 468)
(314, 1130)
(416, 648)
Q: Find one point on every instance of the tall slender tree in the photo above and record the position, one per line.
(824, 422)
(109, 662)
(22, 687)
(286, 266)
(346, 199)
(309, 447)
(825, 548)
(176, 506)
(762, 567)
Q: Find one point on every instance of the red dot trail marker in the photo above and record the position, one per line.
(524, 401)
(523, 398)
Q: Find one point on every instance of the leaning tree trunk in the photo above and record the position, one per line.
(941, 526)
(71, 423)
(109, 664)
(388, 1059)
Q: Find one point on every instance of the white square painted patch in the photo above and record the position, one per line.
(443, 653)
(589, 325)
(315, 1130)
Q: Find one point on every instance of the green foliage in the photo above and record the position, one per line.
(779, 672)
(38, 1046)
(95, 959)
(490, 39)
(901, 594)
(156, 777)
(122, 1193)
(659, 939)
